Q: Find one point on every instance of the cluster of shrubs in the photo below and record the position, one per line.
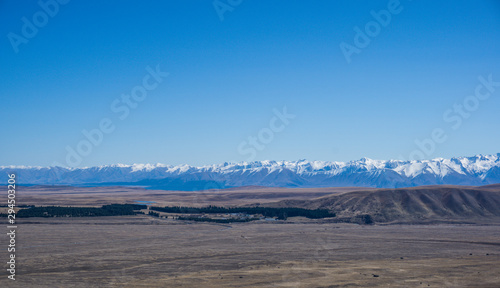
(154, 214)
(280, 213)
(199, 219)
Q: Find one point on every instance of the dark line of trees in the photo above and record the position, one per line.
(280, 213)
(154, 214)
(58, 211)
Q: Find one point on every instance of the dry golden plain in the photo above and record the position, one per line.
(97, 196)
(142, 251)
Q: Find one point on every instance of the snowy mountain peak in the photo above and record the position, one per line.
(366, 172)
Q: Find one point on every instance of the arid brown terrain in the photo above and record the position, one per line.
(95, 196)
(143, 251)
(422, 204)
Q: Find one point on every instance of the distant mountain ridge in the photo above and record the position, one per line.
(422, 204)
(474, 171)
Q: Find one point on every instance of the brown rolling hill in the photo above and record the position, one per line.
(424, 204)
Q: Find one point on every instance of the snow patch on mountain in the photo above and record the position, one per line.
(475, 170)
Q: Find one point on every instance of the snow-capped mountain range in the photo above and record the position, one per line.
(476, 170)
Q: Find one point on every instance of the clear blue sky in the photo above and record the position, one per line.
(226, 77)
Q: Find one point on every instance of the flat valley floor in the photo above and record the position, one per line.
(141, 251)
